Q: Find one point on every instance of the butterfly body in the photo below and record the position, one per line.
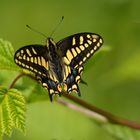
(55, 61)
(58, 66)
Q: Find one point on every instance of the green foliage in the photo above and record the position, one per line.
(12, 111)
(12, 102)
(6, 56)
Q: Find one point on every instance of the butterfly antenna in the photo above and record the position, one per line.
(29, 27)
(57, 26)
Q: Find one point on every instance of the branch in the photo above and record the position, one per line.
(16, 79)
(85, 111)
(110, 117)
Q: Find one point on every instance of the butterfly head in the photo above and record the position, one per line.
(50, 42)
(51, 47)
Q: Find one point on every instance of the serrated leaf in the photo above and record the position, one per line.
(7, 56)
(12, 111)
(17, 102)
(6, 121)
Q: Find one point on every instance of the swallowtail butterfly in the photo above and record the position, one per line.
(58, 66)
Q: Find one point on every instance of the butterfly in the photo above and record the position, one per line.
(58, 66)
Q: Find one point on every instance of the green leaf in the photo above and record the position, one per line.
(7, 56)
(12, 111)
(17, 102)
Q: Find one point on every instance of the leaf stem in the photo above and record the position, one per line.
(110, 117)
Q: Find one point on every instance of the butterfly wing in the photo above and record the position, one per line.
(78, 48)
(74, 51)
(33, 58)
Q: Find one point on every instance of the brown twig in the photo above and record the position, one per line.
(83, 110)
(16, 79)
(110, 117)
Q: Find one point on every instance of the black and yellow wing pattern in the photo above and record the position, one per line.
(33, 58)
(58, 66)
(78, 48)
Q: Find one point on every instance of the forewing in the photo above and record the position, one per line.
(78, 48)
(33, 58)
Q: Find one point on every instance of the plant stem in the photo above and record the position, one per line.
(110, 117)
(16, 79)
(83, 110)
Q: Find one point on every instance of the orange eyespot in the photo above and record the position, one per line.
(65, 87)
(59, 88)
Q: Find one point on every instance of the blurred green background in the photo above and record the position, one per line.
(113, 76)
